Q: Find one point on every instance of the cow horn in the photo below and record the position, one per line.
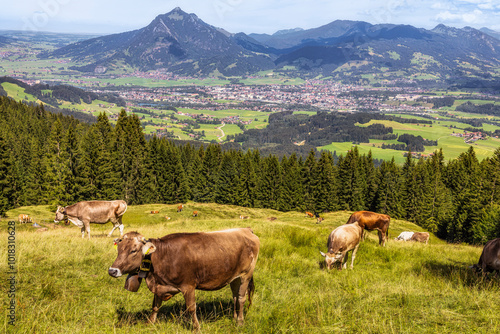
(322, 254)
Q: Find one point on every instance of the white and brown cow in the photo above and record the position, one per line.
(343, 239)
(97, 212)
(184, 262)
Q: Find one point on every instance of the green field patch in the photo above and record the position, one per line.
(18, 93)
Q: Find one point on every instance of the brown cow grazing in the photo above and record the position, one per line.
(195, 213)
(319, 220)
(183, 262)
(154, 211)
(309, 214)
(98, 212)
(372, 221)
(244, 217)
(167, 217)
(343, 239)
(180, 207)
(489, 261)
(24, 218)
(420, 237)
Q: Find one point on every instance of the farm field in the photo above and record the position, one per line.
(63, 284)
(440, 130)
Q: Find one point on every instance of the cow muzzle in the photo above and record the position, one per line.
(114, 272)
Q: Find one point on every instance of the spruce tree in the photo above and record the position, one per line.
(325, 189)
(228, 181)
(269, 183)
(6, 199)
(388, 198)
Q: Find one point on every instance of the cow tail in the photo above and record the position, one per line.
(250, 291)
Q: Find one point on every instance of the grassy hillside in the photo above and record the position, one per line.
(63, 284)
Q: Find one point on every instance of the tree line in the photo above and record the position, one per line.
(55, 159)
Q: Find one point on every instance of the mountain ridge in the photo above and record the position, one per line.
(184, 44)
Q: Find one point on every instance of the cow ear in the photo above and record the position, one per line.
(148, 248)
(322, 254)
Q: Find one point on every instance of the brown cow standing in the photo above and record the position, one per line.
(183, 262)
(372, 221)
(195, 213)
(180, 207)
(343, 239)
(420, 237)
(309, 214)
(98, 212)
(490, 257)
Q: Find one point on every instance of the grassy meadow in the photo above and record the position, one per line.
(405, 287)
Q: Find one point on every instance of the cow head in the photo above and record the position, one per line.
(332, 258)
(60, 214)
(131, 251)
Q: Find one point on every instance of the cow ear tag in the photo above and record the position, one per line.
(115, 245)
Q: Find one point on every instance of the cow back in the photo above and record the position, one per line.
(370, 220)
(97, 211)
(420, 237)
(208, 260)
(344, 237)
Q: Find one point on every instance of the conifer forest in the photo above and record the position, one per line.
(53, 159)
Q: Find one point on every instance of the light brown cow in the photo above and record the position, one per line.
(343, 239)
(309, 214)
(420, 237)
(183, 262)
(372, 221)
(244, 217)
(195, 213)
(180, 207)
(24, 218)
(489, 261)
(97, 212)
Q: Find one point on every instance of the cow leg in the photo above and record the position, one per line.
(121, 229)
(235, 289)
(83, 232)
(87, 228)
(189, 297)
(156, 306)
(115, 226)
(343, 261)
(239, 287)
(381, 238)
(353, 255)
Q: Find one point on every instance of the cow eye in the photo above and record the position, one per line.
(133, 251)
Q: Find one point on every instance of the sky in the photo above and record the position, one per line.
(249, 16)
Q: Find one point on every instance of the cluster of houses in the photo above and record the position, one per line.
(471, 137)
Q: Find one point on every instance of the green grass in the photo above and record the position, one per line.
(440, 131)
(17, 93)
(63, 284)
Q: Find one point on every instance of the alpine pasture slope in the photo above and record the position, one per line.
(63, 283)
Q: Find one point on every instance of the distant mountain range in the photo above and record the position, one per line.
(184, 44)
